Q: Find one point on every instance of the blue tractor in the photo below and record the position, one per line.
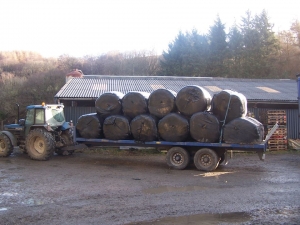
(43, 132)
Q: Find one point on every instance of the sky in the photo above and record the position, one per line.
(93, 27)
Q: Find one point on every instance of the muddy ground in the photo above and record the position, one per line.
(112, 187)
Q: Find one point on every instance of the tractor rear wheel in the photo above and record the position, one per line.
(6, 148)
(40, 144)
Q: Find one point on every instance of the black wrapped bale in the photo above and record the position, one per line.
(161, 102)
(143, 128)
(192, 99)
(236, 102)
(89, 126)
(205, 127)
(244, 130)
(109, 103)
(135, 103)
(173, 127)
(116, 127)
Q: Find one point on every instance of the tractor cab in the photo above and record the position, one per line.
(50, 116)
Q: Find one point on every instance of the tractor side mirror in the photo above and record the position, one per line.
(22, 122)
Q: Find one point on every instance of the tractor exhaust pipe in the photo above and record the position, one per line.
(18, 118)
(298, 86)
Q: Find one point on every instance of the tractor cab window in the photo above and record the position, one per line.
(29, 117)
(55, 116)
(39, 116)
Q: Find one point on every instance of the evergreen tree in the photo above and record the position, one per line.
(236, 46)
(218, 52)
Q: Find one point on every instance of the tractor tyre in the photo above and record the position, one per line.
(6, 148)
(67, 139)
(40, 144)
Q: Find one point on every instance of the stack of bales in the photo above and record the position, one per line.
(191, 114)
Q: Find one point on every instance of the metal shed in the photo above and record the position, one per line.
(79, 94)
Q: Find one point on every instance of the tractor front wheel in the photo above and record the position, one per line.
(40, 144)
(6, 148)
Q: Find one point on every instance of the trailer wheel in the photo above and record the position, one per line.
(40, 144)
(177, 158)
(206, 159)
(6, 148)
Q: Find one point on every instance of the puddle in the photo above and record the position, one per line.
(9, 194)
(33, 202)
(16, 168)
(203, 219)
(164, 189)
(212, 174)
(18, 180)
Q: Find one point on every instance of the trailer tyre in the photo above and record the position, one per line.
(177, 158)
(40, 144)
(206, 159)
(6, 148)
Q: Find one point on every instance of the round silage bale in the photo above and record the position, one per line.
(143, 128)
(161, 102)
(173, 127)
(192, 99)
(234, 101)
(89, 126)
(204, 127)
(116, 127)
(109, 103)
(135, 103)
(243, 130)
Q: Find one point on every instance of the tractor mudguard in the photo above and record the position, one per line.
(65, 126)
(11, 137)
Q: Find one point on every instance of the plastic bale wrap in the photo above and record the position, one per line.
(192, 99)
(116, 127)
(173, 127)
(109, 103)
(235, 101)
(89, 126)
(161, 102)
(204, 127)
(135, 103)
(244, 130)
(143, 128)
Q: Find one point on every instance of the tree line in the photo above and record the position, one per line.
(250, 49)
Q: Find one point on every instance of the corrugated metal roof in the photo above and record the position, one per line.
(91, 86)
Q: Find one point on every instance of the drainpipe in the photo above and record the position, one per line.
(298, 86)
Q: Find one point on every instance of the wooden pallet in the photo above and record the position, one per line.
(277, 148)
(277, 142)
(276, 112)
(277, 116)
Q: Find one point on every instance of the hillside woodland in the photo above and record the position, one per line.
(248, 49)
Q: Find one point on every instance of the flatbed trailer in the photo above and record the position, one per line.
(206, 156)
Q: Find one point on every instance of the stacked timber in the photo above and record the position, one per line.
(191, 114)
